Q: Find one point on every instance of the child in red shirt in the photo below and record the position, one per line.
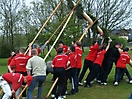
(121, 66)
(71, 67)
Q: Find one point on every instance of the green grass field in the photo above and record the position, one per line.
(122, 91)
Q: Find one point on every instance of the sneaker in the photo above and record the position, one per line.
(66, 92)
(64, 96)
(98, 81)
(92, 82)
(52, 96)
(80, 84)
(60, 97)
(130, 81)
(116, 83)
(84, 81)
(103, 83)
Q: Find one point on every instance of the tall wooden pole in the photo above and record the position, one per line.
(52, 88)
(58, 36)
(22, 91)
(71, 12)
(44, 25)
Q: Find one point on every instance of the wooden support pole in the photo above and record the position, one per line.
(52, 88)
(86, 30)
(71, 12)
(22, 91)
(44, 25)
(58, 36)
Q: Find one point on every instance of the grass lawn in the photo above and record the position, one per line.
(122, 91)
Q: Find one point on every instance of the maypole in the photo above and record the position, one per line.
(91, 23)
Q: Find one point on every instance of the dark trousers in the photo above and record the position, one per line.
(119, 72)
(75, 78)
(69, 74)
(87, 64)
(59, 87)
(107, 66)
(100, 73)
(93, 73)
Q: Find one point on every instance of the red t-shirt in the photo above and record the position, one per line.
(9, 60)
(15, 79)
(100, 57)
(123, 60)
(20, 62)
(60, 61)
(78, 52)
(72, 59)
(93, 50)
(65, 48)
(39, 50)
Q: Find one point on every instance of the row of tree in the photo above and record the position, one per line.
(19, 23)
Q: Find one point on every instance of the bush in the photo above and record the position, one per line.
(4, 50)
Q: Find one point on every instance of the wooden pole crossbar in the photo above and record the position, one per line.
(87, 30)
(44, 25)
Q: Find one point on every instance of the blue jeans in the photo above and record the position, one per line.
(36, 80)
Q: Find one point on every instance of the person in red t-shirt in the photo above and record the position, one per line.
(15, 79)
(59, 65)
(96, 65)
(10, 58)
(19, 62)
(70, 68)
(121, 66)
(93, 50)
(78, 52)
(61, 45)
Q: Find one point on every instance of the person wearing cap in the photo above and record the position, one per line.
(37, 68)
(121, 66)
(39, 49)
(16, 80)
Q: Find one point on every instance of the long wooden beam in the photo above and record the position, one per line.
(44, 24)
(71, 12)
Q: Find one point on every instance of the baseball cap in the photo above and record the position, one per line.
(29, 79)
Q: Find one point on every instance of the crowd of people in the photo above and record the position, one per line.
(31, 69)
